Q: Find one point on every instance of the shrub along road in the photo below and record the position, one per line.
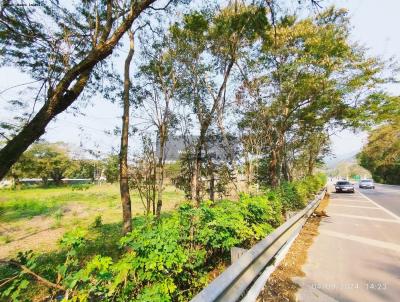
(356, 256)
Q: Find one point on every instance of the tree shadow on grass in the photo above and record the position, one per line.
(26, 209)
(103, 240)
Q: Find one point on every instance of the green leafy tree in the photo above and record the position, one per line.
(381, 155)
(111, 168)
(48, 161)
(207, 46)
(310, 80)
(158, 98)
(62, 54)
(82, 168)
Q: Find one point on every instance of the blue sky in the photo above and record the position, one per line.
(375, 25)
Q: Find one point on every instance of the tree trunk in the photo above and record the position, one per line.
(205, 122)
(276, 161)
(285, 169)
(212, 179)
(229, 150)
(148, 202)
(313, 154)
(273, 162)
(153, 184)
(64, 94)
(248, 171)
(123, 155)
(195, 183)
(160, 168)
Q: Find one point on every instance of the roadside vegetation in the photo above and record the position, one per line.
(50, 211)
(381, 154)
(251, 93)
(172, 258)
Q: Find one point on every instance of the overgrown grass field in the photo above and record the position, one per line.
(35, 218)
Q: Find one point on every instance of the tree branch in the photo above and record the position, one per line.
(33, 274)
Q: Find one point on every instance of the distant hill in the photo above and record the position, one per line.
(332, 162)
(346, 165)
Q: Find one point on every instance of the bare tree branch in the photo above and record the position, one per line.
(33, 274)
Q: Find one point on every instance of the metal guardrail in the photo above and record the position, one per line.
(231, 285)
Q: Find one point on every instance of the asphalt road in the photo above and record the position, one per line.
(356, 255)
(386, 196)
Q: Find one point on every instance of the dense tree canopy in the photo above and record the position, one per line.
(54, 161)
(381, 154)
(60, 46)
(309, 81)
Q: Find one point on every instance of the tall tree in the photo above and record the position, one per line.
(381, 154)
(64, 55)
(208, 47)
(310, 79)
(123, 154)
(157, 93)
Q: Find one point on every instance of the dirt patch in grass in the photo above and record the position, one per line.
(40, 241)
(41, 233)
(36, 218)
(280, 286)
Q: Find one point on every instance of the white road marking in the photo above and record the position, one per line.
(350, 200)
(364, 217)
(372, 242)
(349, 206)
(379, 206)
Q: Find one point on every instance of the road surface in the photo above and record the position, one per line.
(385, 195)
(356, 256)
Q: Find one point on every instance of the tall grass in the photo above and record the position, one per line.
(30, 202)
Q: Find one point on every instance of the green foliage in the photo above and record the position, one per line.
(164, 257)
(182, 180)
(381, 155)
(222, 226)
(16, 209)
(97, 223)
(111, 168)
(307, 84)
(16, 290)
(82, 168)
(80, 187)
(295, 195)
(73, 239)
(160, 260)
(49, 161)
(43, 160)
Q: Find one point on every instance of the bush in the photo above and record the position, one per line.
(266, 208)
(80, 187)
(222, 226)
(291, 200)
(97, 223)
(164, 260)
(295, 195)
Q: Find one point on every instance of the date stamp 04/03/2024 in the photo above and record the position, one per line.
(350, 286)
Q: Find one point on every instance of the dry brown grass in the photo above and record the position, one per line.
(280, 286)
